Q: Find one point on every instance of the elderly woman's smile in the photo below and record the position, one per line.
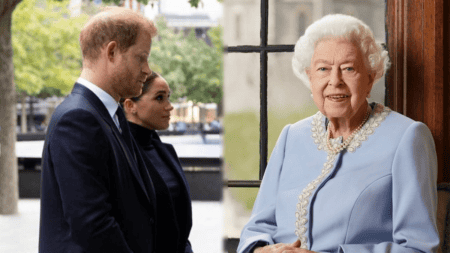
(337, 98)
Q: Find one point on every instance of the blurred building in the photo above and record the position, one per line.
(178, 13)
(288, 20)
(193, 113)
(81, 6)
(183, 18)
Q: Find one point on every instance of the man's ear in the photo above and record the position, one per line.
(128, 106)
(111, 50)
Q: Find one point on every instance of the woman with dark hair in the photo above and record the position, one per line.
(146, 113)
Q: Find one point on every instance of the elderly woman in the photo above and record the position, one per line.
(354, 177)
(146, 113)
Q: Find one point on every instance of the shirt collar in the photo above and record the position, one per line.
(109, 102)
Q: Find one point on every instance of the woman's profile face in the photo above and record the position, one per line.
(153, 109)
(340, 82)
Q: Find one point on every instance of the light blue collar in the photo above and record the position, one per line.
(109, 102)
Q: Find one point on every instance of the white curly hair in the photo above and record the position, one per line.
(375, 56)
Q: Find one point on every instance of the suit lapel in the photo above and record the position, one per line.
(172, 162)
(100, 109)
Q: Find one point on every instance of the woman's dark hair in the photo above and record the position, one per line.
(147, 84)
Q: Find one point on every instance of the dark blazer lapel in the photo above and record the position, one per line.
(100, 108)
(172, 161)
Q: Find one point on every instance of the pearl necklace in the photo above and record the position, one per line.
(344, 145)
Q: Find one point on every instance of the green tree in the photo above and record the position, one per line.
(192, 68)
(46, 48)
(47, 56)
(194, 3)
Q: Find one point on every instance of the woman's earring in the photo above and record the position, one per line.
(134, 112)
(312, 95)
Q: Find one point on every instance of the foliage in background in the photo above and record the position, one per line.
(47, 55)
(194, 3)
(242, 146)
(192, 68)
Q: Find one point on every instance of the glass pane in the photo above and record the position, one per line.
(242, 21)
(241, 122)
(289, 19)
(288, 100)
(241, 137)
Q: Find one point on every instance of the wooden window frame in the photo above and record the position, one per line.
(417, 82)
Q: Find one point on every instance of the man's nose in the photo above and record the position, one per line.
(147, 70)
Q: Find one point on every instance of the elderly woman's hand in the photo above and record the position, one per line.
(282, 248)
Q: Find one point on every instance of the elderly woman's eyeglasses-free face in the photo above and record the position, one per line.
(340, 81)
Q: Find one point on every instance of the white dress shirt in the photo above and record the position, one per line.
(107, 100)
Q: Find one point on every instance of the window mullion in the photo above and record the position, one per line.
(263, 125)
(263, 88)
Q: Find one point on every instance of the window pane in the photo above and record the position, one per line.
(288, 20)
(288, 98)
(242, 21)
(241, 123)
(241, 136)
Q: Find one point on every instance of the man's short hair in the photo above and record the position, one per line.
(113, 24)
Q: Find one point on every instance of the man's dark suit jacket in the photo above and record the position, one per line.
(96, 194)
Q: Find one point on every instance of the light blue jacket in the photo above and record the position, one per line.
(379, 198)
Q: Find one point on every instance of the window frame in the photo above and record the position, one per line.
(263, 49)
